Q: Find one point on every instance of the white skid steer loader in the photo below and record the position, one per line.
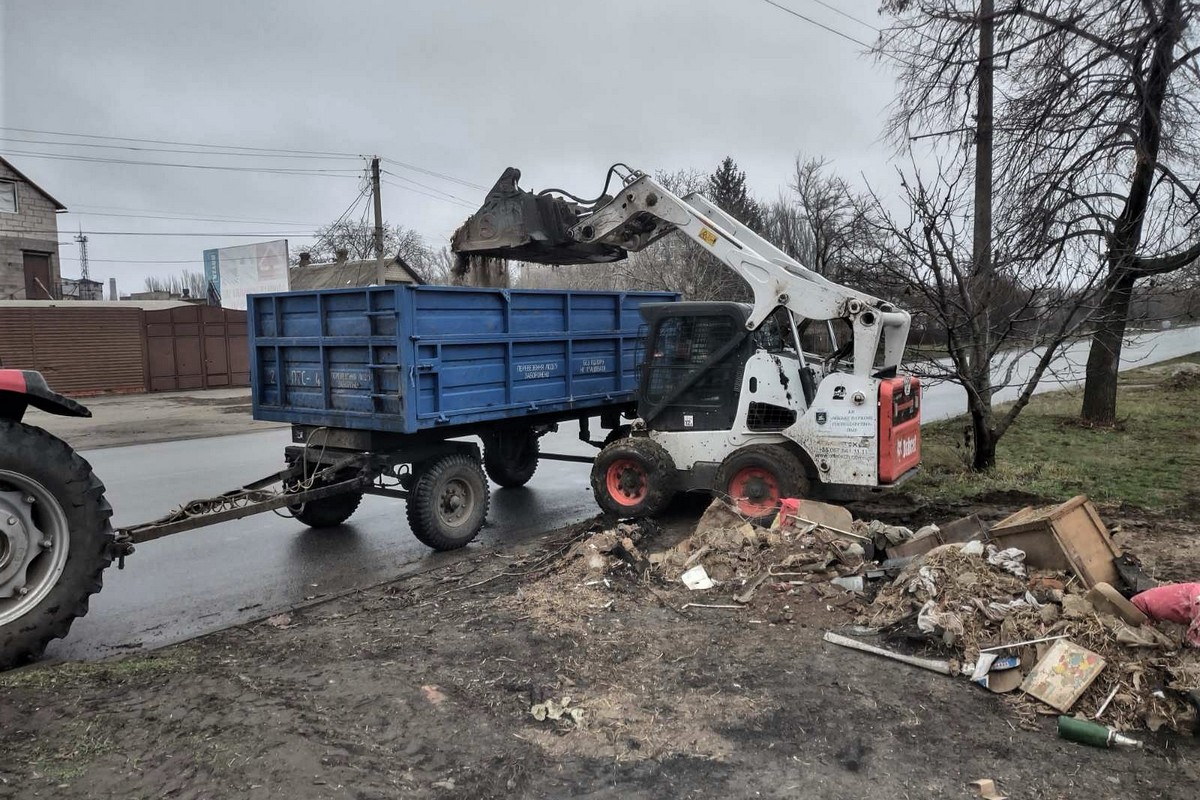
(797, 394)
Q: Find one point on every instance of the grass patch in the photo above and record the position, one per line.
(78, 673)
(1151, 458)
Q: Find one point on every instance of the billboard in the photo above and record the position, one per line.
(247, 269)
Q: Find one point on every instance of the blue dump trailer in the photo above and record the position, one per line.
(382, 384)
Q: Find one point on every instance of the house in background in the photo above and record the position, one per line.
(81, 289)
(29, 268)
(343, 273)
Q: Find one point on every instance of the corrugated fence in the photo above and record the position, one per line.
(115, 349)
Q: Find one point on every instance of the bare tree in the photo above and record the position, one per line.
(193, 282)
(822, 224)
(357, 239)
(672, 264)
(1096, 133)
(1003, 325)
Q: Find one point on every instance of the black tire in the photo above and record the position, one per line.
(510, 457)
(433, 519)
(633, 477)
(764, 474)
(617, 434)
(67, 479)
(328, 512)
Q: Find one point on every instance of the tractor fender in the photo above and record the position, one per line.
(21, 388)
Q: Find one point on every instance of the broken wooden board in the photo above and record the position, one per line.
(1068, 537)
(826, 515)
(1063, 675)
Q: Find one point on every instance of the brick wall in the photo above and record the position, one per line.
(33, 227)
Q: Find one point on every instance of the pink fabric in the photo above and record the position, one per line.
(789, 507)
(1175, 602)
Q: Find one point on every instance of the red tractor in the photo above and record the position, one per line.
(55, 536)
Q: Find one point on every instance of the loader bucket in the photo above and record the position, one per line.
(516, 225)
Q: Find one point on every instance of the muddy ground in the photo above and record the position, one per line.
(424, 688)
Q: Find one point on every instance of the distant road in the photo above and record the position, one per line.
(948, 400)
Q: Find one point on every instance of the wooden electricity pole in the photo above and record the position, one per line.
(982, 273)
(983, 143)
(380, 267)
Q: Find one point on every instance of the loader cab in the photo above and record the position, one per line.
(692, 368)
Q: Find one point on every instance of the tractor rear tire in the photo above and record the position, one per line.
(755, 479)
(449, 502)
(510, 457)
(55, 543)
(633, 477)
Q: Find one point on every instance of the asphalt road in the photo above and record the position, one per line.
(203, 581)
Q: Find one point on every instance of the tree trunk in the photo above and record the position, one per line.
(984, 440)
(1104, 358)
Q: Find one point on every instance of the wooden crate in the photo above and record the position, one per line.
(1069, 537)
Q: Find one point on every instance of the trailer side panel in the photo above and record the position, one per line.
(409, 359)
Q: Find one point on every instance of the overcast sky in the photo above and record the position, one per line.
(462, 88)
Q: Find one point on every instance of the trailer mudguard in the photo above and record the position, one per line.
(21, 388)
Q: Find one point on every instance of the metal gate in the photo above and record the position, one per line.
(196, 347)
(81, 350)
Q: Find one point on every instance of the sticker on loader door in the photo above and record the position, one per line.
(850, 422)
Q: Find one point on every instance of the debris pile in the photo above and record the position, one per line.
(732, 553)
(1030, 603)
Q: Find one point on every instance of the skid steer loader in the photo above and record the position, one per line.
(796, 394)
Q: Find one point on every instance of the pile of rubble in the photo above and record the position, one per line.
(1034, 607)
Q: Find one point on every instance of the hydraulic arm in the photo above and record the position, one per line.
(644, 210)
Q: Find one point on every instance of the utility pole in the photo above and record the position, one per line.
(983, 145)
(84, 273)
(982, 279)
(380, 268)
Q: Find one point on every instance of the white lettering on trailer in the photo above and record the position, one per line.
(591, 366)
(538, 370)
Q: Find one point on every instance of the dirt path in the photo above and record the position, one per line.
(424, 688)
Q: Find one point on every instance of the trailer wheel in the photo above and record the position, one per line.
(510, 457)
(449, 502)
(633, 477)
(757, 477)
(328, 512)
(55, 540)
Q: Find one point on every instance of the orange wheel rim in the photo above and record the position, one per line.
(626, 482)
(754, 492)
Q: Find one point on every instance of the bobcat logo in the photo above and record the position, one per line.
(906, 447)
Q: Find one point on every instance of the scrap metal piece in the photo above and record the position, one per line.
(517, 225)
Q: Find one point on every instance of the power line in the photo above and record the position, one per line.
(196, 219)
(324, 153)
(198, 234)
(838, 11)
(180, 144)
(821, 25)
(456, 202)
(435, 174)
(316, 173)
(172, 150)
(425, 186)
(137, 260)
